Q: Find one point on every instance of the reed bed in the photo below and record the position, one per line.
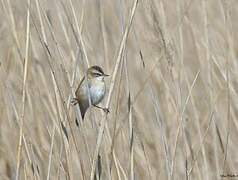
(172, 90)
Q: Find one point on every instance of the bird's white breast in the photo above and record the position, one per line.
(97, 92)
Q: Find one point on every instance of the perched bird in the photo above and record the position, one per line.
(91, 90)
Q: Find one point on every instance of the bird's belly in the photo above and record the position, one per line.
(97, 93)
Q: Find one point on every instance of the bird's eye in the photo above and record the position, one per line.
(97, 74)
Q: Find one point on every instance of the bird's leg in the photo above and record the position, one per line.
(106, 110)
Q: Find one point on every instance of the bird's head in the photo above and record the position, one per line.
(96, 72)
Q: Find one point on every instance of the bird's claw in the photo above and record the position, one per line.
(106, 110)
(74, 101)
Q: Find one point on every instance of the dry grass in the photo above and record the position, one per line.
(172, 92)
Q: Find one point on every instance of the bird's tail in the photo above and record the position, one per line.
(73, 102)
(77, 121)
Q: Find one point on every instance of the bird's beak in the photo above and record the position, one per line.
(105, 75)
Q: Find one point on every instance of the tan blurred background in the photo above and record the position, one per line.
(178, 75)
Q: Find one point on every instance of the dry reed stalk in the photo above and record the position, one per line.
(23, 91)
(118, 61)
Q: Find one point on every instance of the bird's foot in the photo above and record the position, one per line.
(74, 101)
(106, 110)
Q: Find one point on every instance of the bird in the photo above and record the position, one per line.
(91, 90)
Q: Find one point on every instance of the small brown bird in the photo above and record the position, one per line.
(91, 90)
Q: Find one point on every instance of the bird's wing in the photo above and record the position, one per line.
(78, 89)
(83, 103)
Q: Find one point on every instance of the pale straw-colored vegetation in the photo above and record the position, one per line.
(172, 90)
